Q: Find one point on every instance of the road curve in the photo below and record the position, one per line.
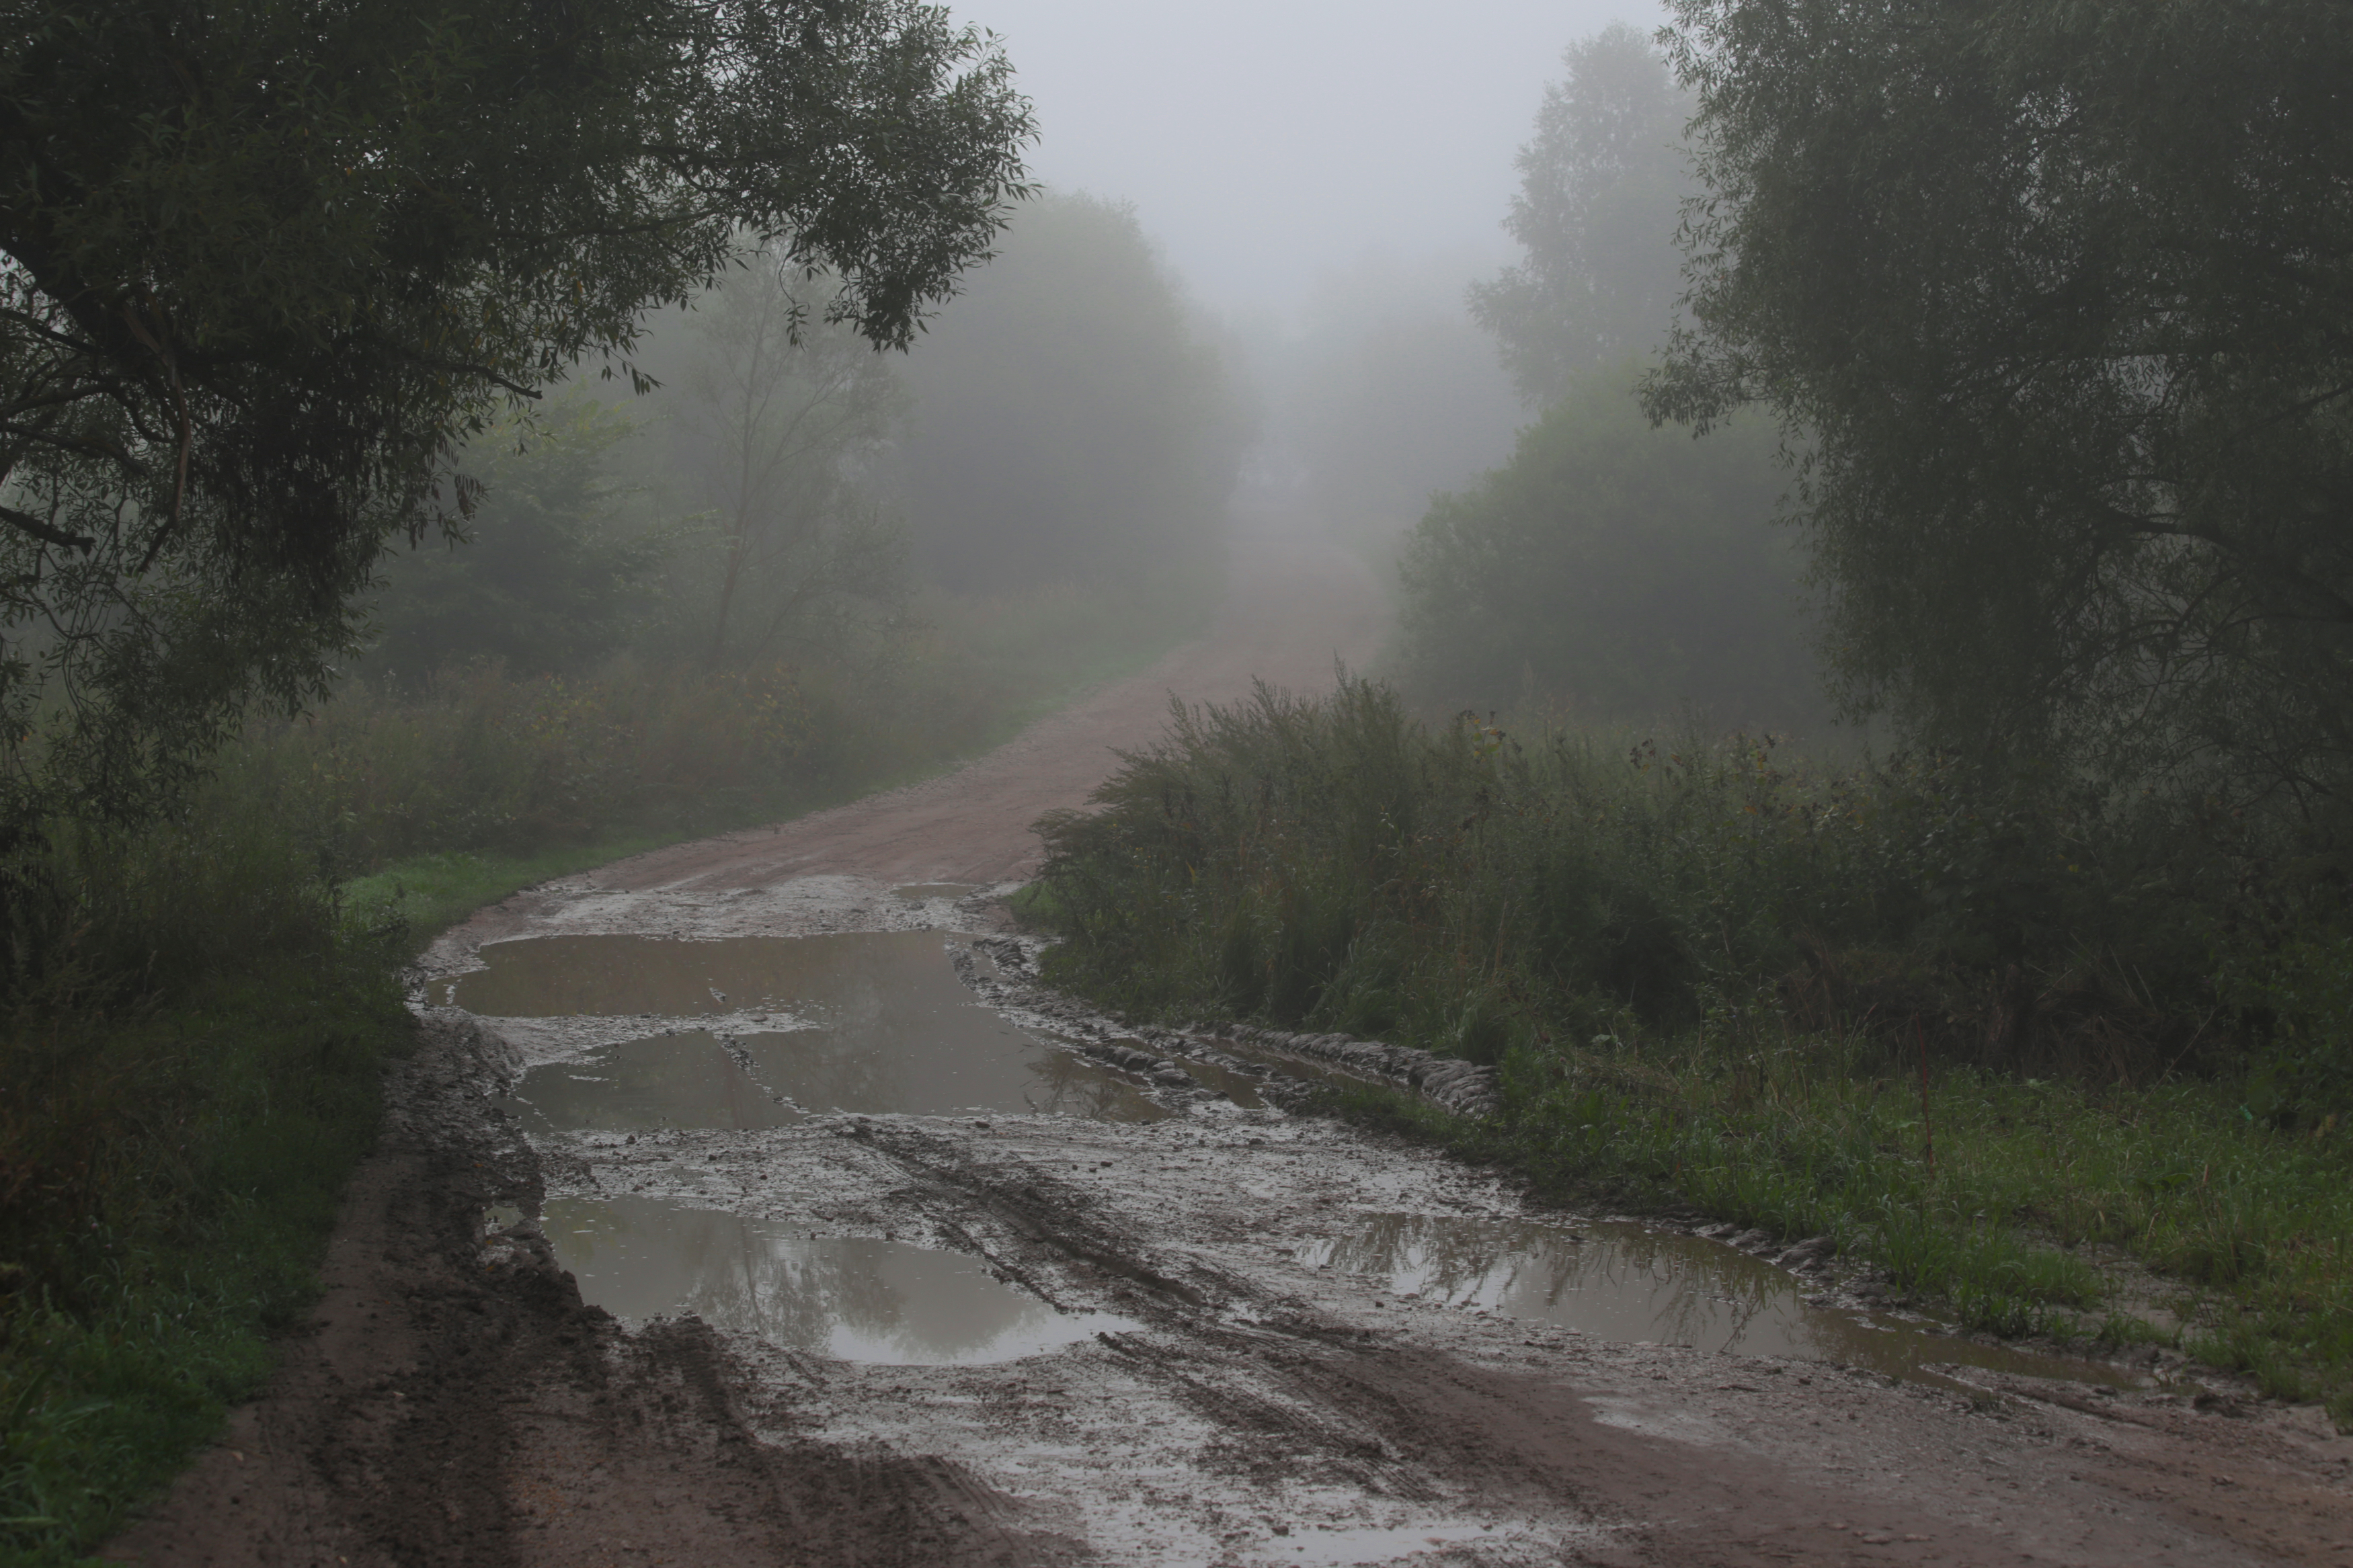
(453, 1401)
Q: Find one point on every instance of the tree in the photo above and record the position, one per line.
(264, 266)
(1072, 423)
(1625, 569)
(1599, 189)
(2064, 296)
(785, 431)
(550, 578)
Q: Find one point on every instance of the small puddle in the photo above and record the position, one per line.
(885, 1028)
(1622, 1282)
(673, 1080)
(1242, 1090)
(849, 1298)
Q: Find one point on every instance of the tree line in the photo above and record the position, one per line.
(2027, 323)
(781, 492)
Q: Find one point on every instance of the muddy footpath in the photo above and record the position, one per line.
(751, 1202)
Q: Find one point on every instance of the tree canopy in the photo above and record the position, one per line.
(2064, 296)
(1599, 186)
(264, 265)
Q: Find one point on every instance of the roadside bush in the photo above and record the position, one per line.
(1334, 863)
(186, 1078)
(1716, 976)
(480, 760)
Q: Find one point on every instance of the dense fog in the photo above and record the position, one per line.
(1436, 377)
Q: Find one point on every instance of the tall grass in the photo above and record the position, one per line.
(1713, 972)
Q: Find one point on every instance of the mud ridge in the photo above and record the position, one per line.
(1465, 1089)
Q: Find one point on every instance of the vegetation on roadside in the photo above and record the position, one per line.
(189, 1065)
(1711, 972)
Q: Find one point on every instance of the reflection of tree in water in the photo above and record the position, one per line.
(897, 1035)
(1461, 1259)
(1687, 1295)
(1065, 1083)
(1702, 1294)
(755, 1278)
(685, 1081)
(834, 1069)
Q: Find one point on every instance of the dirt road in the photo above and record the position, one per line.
(915, 1263)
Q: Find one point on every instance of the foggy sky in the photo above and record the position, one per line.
(1267, 142)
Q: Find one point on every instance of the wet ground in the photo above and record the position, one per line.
(749, 1203)
(1175, 1321)
(752, 1035)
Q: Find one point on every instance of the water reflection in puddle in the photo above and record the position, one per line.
(846, 1297)
(883, 1072)
(1622, 1282)
(889, 1028)
(677, 1080)
(622, 976)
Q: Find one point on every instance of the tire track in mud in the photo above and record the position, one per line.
(454, 1402)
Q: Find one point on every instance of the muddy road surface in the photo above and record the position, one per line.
(750, 1202)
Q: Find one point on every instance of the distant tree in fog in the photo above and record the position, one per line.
(1600, 188)
(782, 424)
(1073, 421)
(1620, 570)
(552, 575)
(743, 517)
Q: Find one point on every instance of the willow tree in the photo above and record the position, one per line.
(2062, 296)
(266, 265)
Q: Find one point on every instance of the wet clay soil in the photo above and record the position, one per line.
(847, 1303)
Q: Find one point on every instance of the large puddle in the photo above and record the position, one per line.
(878, 1023)
(1621, 1282)
(848, 1297)
(874, 1022)
(673, 1080)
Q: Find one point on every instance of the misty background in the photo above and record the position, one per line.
(1293, 277)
